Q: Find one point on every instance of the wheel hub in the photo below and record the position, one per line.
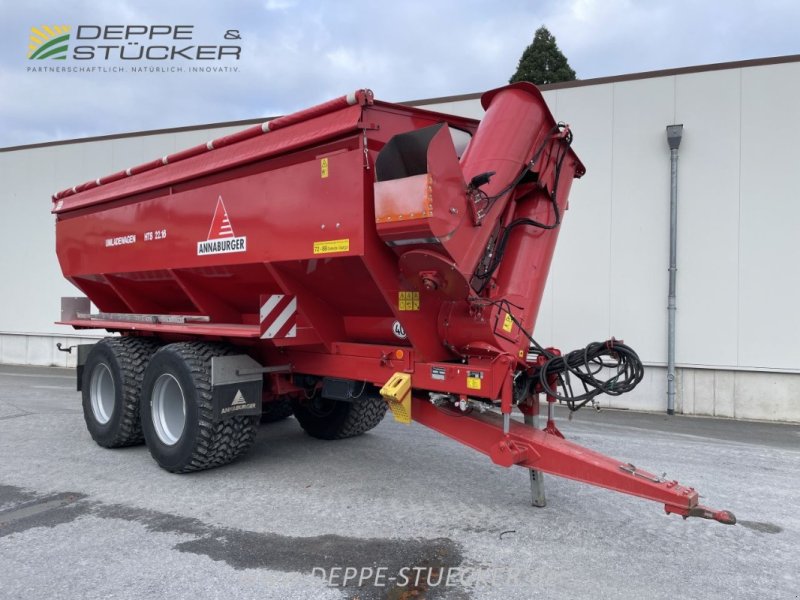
(168, 409)
(102, 393)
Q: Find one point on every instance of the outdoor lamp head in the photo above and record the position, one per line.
(674, 133)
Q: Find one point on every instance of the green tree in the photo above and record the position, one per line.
(542, 62)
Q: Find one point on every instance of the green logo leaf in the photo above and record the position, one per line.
(49, 41)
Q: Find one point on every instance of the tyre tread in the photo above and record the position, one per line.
(365, 414)
(278, 411)
(217, 443)
(133, 355)
(362, 414)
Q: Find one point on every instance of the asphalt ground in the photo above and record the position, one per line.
(401, 507)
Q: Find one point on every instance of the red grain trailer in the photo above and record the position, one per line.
(333, 262)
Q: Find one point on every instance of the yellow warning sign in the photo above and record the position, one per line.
(408, 300)
(473, 383)
(508, 323)
(323, 168)
(332, 246)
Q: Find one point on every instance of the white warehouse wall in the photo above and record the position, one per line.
(737, 287)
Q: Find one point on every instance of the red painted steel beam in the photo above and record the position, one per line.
(227, 330)
(534, 449)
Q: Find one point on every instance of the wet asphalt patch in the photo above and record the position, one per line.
(21, 509)
(761, 526)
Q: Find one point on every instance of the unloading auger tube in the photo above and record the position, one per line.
(441, 227)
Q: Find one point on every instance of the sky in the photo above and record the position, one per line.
(298, 53)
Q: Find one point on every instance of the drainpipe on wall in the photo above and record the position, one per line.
(674, 133)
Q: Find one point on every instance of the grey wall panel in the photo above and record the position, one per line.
(128, 152)
(97, 160)
(155, 146)
(769, 284)
(640, 214)
(466, 108)
(580, 273)
(708, 217)
(31, 277)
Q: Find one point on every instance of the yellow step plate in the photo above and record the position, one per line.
(397, 392)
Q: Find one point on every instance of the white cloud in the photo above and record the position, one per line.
(279, 4)
(296, 54)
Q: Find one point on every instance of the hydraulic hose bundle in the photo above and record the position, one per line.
(609, 367)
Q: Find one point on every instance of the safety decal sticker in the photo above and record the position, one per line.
(278, 316)
(508, 323)
(474, 379)
(331, 246)
(221, 238)
(323, 168)
(408, 300)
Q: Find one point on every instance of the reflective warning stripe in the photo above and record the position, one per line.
(278, 316)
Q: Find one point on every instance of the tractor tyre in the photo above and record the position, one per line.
(111, 387)
(327, 419)
(178, 415)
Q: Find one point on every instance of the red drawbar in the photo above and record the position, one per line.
(536, 449)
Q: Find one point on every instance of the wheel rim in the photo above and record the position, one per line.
(321, 407)
(168, 409)
(102, 393)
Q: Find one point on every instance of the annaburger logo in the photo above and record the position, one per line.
(221, 239)
(49, 41)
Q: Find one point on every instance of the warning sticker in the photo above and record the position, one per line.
(508, 323)
(438, 373)
(474, 379)
(408, 300)
(332, 246)
(323, 168)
